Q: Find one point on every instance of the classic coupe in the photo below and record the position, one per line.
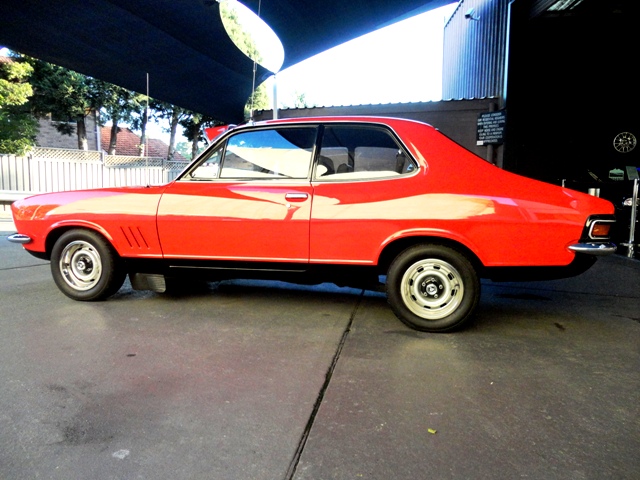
(360, 201)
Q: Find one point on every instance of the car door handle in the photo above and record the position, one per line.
(296, 197)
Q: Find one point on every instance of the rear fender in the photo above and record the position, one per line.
(403, 240)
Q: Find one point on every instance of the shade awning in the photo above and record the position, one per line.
(182, 44)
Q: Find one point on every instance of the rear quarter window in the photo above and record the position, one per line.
(360, 153)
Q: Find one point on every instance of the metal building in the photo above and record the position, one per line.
(475, 45)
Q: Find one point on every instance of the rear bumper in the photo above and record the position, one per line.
(594, 248)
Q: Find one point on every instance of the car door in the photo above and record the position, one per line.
(362, 197)
(247, 199)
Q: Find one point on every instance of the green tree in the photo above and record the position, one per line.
(66, 95)
(120, 106)
(299, 101)
(14, 86)
(259, 99)
(18, 128)
(193, 129)
(173, 114)
(184, 149)
(142, 112)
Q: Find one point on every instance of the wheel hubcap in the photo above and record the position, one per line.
(432, 289)
(80, 265)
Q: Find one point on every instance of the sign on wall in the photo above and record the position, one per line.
(491, 128)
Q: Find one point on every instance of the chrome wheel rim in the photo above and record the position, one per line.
(432, 289)
(80, 265)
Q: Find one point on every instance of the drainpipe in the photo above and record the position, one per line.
(507, 50)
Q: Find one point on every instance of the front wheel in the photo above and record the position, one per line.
(432, 288)
(85, 267)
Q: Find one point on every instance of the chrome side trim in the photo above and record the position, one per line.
(594, 248)
(19, 238)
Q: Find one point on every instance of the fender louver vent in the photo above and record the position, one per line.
(134, 237)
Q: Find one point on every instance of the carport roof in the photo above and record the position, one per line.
(182, 44)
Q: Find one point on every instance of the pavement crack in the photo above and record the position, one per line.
(24, 266)
(316, 407)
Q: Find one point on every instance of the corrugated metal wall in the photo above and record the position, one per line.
(475, 50)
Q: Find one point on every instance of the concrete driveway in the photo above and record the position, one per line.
(264, 380)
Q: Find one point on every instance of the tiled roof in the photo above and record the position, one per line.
(128, 144)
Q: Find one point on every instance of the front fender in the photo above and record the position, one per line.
(125, 217)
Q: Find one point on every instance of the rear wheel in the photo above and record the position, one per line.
(85, 267)
(433, 288)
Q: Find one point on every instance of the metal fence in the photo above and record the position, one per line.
(56, 169)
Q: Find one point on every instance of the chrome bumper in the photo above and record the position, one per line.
(594, 248)
(19, 238)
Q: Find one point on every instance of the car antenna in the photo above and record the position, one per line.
(255, 68)
(146, 137)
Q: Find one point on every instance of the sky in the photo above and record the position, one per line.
(398, 63)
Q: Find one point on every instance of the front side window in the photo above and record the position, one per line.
(209, 168)
(356, 152)
(269, 153)
(266, 153)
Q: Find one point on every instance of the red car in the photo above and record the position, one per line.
(348, 200)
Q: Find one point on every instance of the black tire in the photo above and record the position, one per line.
(85, 267)
(433, 288)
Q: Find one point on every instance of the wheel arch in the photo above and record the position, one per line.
(84, 264)
(58, 230)
(397, 246)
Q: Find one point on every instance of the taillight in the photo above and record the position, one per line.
(599, 228)
(595, 236)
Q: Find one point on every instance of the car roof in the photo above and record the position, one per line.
(390, 121)
(394, 123)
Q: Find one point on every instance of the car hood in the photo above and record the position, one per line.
(123, 200)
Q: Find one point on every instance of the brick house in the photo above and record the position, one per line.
(98, 139)
(49, 137)
(128, 144)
